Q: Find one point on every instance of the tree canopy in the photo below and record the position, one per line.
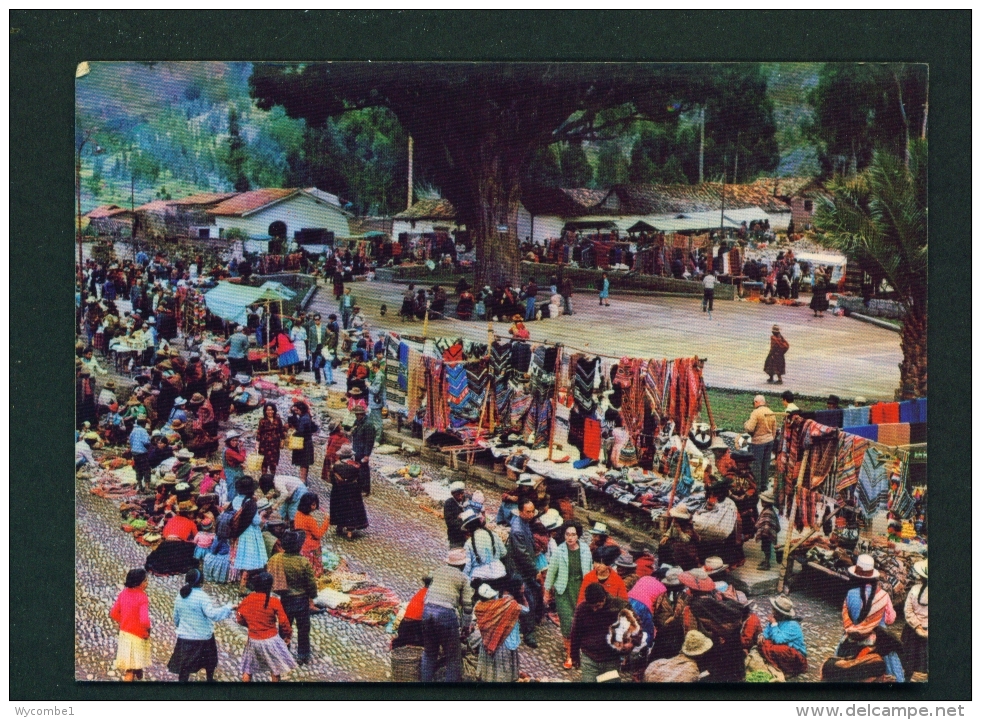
(477, 125)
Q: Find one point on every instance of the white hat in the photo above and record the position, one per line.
(551, 520)
(859, 400)
(242, 378)
(457, 486)
(180, 401)
(232, 434)
(864, 568)
(184, 454)
(487, 592)
(920, 569)
(599, 528)
(467, 516)
(151, 320)
(526, 479)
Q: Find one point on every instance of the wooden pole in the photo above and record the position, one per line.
(490, 381)
(555, 401)
(425, 324)
(268, 333)
(677, 473)
(781, 581)
(705, 397)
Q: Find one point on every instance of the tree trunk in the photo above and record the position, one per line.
(493, 204)
(913, 368)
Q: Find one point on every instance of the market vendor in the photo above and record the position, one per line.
(159, 451)
(601, 538)
(453, 509)
(245, 398)
(743, 491)
(717, 527)
(679, 545)
(782, 642)
(721, 462)
(182, 468)
(107, 397)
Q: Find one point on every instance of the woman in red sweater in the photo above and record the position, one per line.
(131, 611)
(269, 631)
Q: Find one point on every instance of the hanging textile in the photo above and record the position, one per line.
(453, 353)
(656, 380)
(824, 451)
(520, 402)
(685, 396)
(851, 453)
(520, 356)
(403, 365)
(474, 350)
(831, 418)
(457, 388)
(797, 436)
(902, 503)
(869, 432)
(416, 383)
(872, 491)
(686, 481)
(442, 345)
(884, 413)
(577, 429)
(541, 388)
(852, 417)
(437, 415)
(894, 434)
(592, 439)
(478, 378)
(500, 369)
(629, 379)
(585, 382)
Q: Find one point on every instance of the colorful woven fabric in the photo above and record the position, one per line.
(872, 491)
(894, 434)
(869, 432)
(853, 417)
(583, 384)
(851, 453)
(437, 415)
(884, 413)
(453, 353)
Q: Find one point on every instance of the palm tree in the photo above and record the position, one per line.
(879, 219)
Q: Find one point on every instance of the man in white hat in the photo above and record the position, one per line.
(916, 632)
(683, 668)
(453, 508)
(782, 643)
(449, 595)
(721, 459)
(762, 425)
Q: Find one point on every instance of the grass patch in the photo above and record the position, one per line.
(731, 408)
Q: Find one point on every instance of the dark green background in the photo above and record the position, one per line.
(45, 47)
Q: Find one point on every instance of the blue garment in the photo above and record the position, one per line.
(530, 308)
(139, 440)
(177, 414)
(854, 417)
(869, 432)
(232, 474)
(238, 346)
(853, 601)
(195, 616)
(250, 550)
(645, 618)
(441, 630)
(605, 289)
(786, 632)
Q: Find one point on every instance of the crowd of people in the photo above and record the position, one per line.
(663, 612)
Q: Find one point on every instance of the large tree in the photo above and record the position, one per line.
(860, 107)
(879, 219)
(478, 124)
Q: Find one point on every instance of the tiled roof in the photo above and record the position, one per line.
(159, 206)
(429, 210)
(784, 186)
(665, 199)
(105, 211)
(204, 199)
(248, 202)
(563, 202)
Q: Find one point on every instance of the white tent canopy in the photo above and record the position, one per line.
(231, 301)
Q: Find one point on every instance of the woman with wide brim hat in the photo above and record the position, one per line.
(668, 613)
(915, 634)
(679, 545)
(866, 612)
(782, 642)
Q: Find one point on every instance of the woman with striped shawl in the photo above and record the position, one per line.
(865, 614)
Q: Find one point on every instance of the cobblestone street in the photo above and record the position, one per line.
(402, 544)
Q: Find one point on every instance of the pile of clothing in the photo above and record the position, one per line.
(355, 597)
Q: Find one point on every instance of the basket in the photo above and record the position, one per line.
(407, 664)
(294, 442)
(253, 463)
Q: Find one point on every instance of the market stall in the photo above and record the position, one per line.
(615, 429)
(855, 489)
(231, 302)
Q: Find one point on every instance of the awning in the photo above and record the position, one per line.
(591, 225)
(641, 226)
(230, 301)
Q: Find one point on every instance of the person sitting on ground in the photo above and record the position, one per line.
(518, 330)
(782, 643)
(717, 525)
(682, 668)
